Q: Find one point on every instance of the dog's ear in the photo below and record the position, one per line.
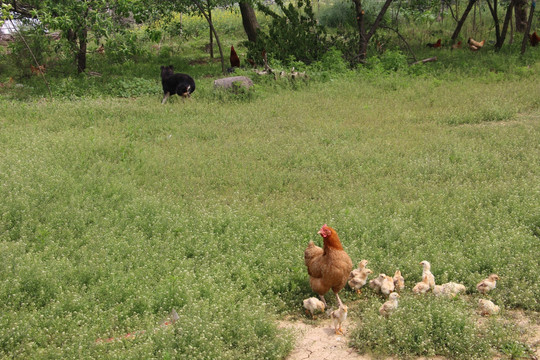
(171, 67)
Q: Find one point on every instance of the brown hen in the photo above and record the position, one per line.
(235, 60)
(329, 267)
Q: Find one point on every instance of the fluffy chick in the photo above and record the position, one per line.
(427, 272)
(438, 290)
(422, 287)
(388, 307)
(488, 284)
(450, 289)
(486, 307)
(399, 281)
(312, 305)
(338, 317)
(358, 278)
(361, 268)
(376, 283)
(453, 289)
(387, 286)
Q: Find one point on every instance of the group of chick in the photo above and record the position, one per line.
(391, 286)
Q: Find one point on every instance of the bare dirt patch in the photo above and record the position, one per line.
(319, 341)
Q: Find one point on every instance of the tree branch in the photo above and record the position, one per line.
(462, 20)
(402, 39)
(33, 56)
(201, 9)
(378, 19)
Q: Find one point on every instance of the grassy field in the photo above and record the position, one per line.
(114, 211)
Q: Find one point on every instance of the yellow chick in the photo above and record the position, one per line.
(427, 271)
(399, 281)
(312, 305)
(421, 287)
(357, 281)
(387, 286)
(338, 317)
(376, 283)
(361, 267)
(487, 284)
(450, 289)
(486, 307)
(388, 307)
(453, 289)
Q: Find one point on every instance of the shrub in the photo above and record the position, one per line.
(332, 61)
(22, 56)
(123, 47)
(295, 33)
(394, 60)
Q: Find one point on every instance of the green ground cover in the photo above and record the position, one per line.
(114, 211)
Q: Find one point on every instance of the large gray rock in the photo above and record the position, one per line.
(227, 83)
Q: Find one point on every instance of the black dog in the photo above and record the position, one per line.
(181, 84)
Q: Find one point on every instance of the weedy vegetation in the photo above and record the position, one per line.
(115, 209)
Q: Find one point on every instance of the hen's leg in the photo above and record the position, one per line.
(323, 300)
(338, 300)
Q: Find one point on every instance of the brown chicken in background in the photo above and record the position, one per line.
(457, 45)
(435, 45)
(475, 45)
(235, 60)
(534, 39)
(37, 70)
(329, 267)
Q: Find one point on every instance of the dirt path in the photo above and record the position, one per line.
(320, 342)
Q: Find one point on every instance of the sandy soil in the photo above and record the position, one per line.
(320, 342)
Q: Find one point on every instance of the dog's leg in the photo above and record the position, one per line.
(167, 94)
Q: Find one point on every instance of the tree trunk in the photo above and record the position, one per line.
(379, 18)
(81, 54)
(462, 20)
(528, 27)
(211, 36)
(474, 19)
(201, 9)
(441, 11)
(507, 18)
(495, 16)
(511, 41)
(521, 15)
(249, 20)
(364, 38)
(362, 46)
